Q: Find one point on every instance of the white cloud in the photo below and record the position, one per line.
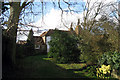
(52, 20)
(104, 1)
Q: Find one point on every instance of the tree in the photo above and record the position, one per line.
(15, 9)
(30, 44)
(4, 8)
(63, 47)
(93, 29)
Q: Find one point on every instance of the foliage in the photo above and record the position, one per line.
(63, 47)
(91, 70)
(104, 71)
(93, 42)
(103, 44)
(20, 50)
(6, 49)
(88, 46)
(110, 58)
(29, 48)
(30, 44)
(26, 49)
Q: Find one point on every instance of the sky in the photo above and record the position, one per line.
(52, 16)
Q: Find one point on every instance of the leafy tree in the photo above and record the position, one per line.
(103, 44)
(63, 47)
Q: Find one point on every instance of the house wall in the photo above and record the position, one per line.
(48, 38)
(44, 39)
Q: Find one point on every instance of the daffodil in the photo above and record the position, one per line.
(103, 71)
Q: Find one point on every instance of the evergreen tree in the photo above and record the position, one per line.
(30, 43)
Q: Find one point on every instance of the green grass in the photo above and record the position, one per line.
(72, 66)
(79, 67)
(38, 67)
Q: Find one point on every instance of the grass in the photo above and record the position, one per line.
(79, 69)
(38, 67)
(76, 68)
(72, 66)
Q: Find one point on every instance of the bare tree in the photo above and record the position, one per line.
(17, 17)
(15, 10)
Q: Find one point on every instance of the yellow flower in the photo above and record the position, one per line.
(108, 71)
(103, 70)
(103, 66)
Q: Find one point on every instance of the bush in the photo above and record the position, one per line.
(92, 70)
(110, 58)
(29, 48)
(63, 47)
(87, 55)
(20, 50)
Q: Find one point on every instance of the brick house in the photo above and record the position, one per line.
(46, 36)
(40, 46)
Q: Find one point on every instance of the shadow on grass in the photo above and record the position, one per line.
(35, 67)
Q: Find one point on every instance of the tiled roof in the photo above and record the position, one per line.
(38, 40)
(21, 42)
(47, 33)
(51, 31)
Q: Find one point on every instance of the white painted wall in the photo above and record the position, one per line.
(43, 38)
(48, 38)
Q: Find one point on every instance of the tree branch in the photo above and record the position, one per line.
(25, 3)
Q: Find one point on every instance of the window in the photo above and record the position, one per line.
(37, 46)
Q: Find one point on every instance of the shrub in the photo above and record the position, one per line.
(63, 47)
(29, 48)
(20, 50)
(110, 58)
(92, 70)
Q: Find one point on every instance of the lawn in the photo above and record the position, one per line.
(77, 68)
(38, 67)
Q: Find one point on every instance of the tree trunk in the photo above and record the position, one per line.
(12, 29)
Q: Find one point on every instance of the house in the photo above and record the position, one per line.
(40, 46)
(47, 35)
(38, 42)
(21, 42)
(41, 42)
